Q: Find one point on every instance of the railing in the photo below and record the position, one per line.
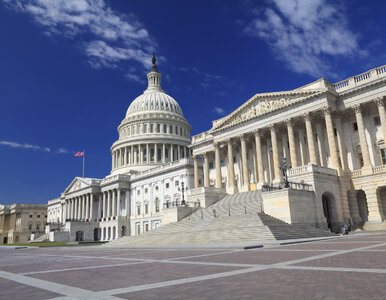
(358, 79)
(178, 204)
(311, 168)
(292, 186)
(379, 169)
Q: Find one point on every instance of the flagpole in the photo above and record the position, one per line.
(83, 163)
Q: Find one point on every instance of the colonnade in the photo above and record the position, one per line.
(298, 151)
(80, 208)
(148, 153)
(90, 206)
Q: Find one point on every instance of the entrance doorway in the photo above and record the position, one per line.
(327, 210)
(79, 236)
(362, 205)
(5, 240)
(123, 231)
(97, 234)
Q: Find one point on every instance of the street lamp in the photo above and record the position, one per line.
(182, 189)
(284, 167)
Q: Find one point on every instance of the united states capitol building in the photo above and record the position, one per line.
(314, 156)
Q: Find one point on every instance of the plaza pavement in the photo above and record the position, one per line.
(349, 267)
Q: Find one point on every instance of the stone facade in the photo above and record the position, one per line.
(19, 221)
(332, 137)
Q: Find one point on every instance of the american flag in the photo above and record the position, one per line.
(80, 153)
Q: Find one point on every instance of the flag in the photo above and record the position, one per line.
(81, 153)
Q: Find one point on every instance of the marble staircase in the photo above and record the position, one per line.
(235, 218)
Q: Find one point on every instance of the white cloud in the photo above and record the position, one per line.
(25, 146)
(220, 111)
(32, 147)
(108, 38)
(305, 34)
(62, 151)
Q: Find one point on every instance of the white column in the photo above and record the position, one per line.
(147, 154)
(132, 155)
(179, 152)
(259, 156)
(382, 115)
(231, 169)
(195, 166)
(108, 204)
(113, 206)
(118, 203)
(302, 145)
(244, 163)
(91, 207)
(341, 145)
(171, 153)
(292, 144)
(112, 161)
(87, 216)
(104, 212)
(331, 137)
(155, 153)
(322, 154)
(362, 136)
(310, 139)
(217, 165)
(206, 170)
(163, 154)
(275, 153)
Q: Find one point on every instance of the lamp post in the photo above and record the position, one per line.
(182, 189)
(284, 167)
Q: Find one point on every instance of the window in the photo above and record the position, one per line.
(222, 163)
(234, 159)
(360, 158)
(138, 209)
(156, 205)
(211, 166)
(145, 190)
(355, 126)
(146, 208)
(170, 129)
(176, 183)
(45, 216)
(377, 121)
(158, 128)
(144, 128)
(37, 226)
(164, 128)
(180, 131)
(156, 187)
(138, 192)
(38, 216)
(176, 130)
(30, 216)
(167, 185)
(383, 156)
(29, 226)
(151, 128)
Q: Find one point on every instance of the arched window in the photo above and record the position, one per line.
(151, 128)
(144, 128)
(164, 128)
(157, 205)
(158, 128)
(170, 129)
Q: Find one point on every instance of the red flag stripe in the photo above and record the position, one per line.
(79, 153)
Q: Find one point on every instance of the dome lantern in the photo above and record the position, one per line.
(153, 78)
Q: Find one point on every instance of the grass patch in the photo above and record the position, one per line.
(52, 244)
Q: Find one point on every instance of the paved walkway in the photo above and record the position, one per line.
(352, 267)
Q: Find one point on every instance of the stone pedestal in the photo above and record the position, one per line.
(206, 195)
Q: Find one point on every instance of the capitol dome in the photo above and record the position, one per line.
(153, 132)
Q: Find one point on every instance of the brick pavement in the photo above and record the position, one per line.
(352, 267)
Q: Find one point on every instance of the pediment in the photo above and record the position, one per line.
(77, 184)
(261, 104)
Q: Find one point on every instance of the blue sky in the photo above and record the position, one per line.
(70, 69)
